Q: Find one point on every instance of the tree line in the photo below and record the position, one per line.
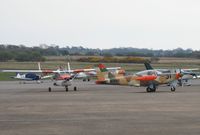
(38, 53)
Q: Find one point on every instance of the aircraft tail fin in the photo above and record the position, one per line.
(148, 66)
(102, 75)
(17, 76)
(103, 68)
(68, 66)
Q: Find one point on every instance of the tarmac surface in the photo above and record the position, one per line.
(29, 109)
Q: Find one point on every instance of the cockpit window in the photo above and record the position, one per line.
(146, 72)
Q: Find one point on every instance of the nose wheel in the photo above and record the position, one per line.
(49, 89)
(66, 88)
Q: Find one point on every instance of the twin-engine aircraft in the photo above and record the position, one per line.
(148, 78)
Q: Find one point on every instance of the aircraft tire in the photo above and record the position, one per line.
(75, 88)
(66, 88)
(148, 89)
(173, 89)
(153, 90)
(88, 79)
(49, 89)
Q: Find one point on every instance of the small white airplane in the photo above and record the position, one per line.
(31, 75)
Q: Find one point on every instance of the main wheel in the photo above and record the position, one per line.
(148, 89)
(66, 88)
(173, 88)
(88, 79)
(49, 89)
(75, 89)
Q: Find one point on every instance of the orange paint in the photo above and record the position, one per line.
(178, 75)
(146, 78)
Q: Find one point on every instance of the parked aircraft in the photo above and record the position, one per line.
(148, 78)
(31, 75)
(187, 74)
(60, 77)
(86, 76)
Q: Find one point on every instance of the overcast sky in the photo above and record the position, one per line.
(156, 24)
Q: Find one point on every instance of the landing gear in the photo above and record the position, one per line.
(49, 89)
(66, 88)
(85, 79)
(148, 89)
(151, 88)
(173, 88)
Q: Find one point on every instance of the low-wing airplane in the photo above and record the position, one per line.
(187, 74)
(147, 78)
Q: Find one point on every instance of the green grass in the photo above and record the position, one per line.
(130, 67)
(7, 76)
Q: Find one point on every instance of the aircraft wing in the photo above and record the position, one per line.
(27, 71)
(74, 71)
(113, 68)
(191, 69)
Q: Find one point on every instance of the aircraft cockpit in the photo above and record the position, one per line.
(147, 72)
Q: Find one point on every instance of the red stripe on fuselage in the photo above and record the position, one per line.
(146, 78)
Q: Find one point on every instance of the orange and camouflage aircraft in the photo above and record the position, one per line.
(147, 78)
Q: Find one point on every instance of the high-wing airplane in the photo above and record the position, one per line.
(147, 78)
(61, 77)
(65, 78)
(187, 74)
(31, 75)
(86, 76)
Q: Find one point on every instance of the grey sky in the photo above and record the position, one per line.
(156, 24)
